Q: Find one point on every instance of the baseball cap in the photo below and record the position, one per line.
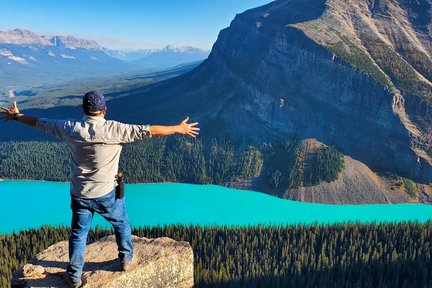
(93, 102)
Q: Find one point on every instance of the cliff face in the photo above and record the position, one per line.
(354, 74)
(324, 78)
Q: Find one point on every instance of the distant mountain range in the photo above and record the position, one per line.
(26, 37)
(168, 56)
(27, 59)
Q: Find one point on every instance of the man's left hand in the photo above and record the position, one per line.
(188, 128)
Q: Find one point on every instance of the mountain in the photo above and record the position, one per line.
(27, 59)
(22, 37)
(26, 37)
(169, 56)
(74, 43)
(352, 74)
(129, 55)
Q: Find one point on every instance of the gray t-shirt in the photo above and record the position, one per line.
(95, 146)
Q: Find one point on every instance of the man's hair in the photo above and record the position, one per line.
(91, 111)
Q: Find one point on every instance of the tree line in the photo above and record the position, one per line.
(338, 255)
(180, 159)
(287, 165)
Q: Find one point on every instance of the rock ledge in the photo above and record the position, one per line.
(160, 262)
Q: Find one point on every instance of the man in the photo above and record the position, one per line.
(95, 145)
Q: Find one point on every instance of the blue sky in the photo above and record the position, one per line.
(127, 24)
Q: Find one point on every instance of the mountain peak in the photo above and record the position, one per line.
(181, 49)
(21, 37)
(74, 43)
(27, 37)
(22, 31)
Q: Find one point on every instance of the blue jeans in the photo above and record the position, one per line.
(113, 210)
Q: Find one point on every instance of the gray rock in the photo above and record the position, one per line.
(160, 262)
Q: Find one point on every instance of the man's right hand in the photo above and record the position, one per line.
(9, 112)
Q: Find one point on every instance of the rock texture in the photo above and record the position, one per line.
(160, 262)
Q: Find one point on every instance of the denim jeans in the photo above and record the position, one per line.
(113, 210)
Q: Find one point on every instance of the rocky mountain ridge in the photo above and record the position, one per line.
(21, 36)
(399, 28)
(74, 43)
(352, 74)
(27, 37)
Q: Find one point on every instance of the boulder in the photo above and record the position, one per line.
(160, 262)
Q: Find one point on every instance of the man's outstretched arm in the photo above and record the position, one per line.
(155, 130)
(14, 114)
(182, 128)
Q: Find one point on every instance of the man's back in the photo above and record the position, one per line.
(95, 146)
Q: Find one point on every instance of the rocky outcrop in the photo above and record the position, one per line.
(356, 184)
(160, 262)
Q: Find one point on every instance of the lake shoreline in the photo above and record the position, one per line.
(48, 203)
(426, 199)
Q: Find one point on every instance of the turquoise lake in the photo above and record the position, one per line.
(31, 204)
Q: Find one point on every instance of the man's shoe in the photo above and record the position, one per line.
(127, 266)
(72, 283)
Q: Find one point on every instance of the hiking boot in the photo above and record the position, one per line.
(72, 283)
(127, 266)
